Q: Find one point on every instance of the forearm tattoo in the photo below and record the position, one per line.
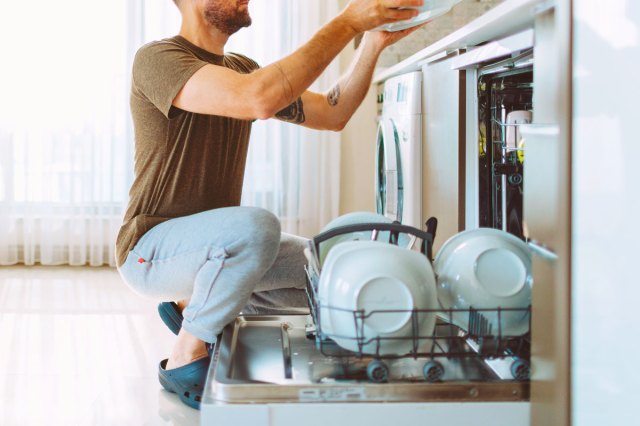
(334, 96)
(294, 113)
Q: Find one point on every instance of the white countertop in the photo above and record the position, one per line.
(507, 18)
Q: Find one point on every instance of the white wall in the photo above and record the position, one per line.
(357, 163)
(463, 13)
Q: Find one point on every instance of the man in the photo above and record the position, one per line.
(184, 236)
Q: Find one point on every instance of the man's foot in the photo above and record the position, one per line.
(185, 371)
(188, 348)
(182, 304)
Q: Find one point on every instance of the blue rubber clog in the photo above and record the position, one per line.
(171, 316)
(187, 381)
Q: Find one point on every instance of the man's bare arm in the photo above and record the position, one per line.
(218, 90)
(333, 110)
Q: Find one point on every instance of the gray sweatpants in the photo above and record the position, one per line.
(225, 261)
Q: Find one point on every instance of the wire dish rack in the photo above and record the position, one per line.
(459, 333)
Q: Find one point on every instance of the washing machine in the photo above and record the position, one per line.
(399, 150)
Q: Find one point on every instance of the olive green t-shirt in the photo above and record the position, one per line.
(185, 163)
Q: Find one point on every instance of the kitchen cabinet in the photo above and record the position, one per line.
(605, 207)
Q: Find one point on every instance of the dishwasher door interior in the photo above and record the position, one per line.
(267, 363)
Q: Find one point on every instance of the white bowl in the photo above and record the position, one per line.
(486, 269)
(356, 218)
(375, 278)
(430, 10)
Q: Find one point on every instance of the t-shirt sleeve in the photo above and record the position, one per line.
(160, 71)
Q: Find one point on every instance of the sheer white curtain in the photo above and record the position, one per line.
(64, 139)
(66, 144)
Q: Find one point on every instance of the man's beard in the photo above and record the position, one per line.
(226, 19)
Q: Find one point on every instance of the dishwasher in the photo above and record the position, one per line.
(508, 174)
(263, 365)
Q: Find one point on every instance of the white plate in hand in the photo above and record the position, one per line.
(429, 11)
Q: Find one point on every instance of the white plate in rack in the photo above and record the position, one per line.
(486, 268)
(386, 283)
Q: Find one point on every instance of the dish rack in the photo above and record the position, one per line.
(480, 339)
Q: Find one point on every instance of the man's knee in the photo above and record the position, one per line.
(263, 221)
(262, 231)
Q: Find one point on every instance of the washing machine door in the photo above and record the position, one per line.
(389, 187)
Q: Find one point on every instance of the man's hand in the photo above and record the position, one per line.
(383, 39)
(364, 15)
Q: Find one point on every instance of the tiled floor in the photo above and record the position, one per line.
(78, 347)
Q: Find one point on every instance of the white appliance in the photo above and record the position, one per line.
(399, 151)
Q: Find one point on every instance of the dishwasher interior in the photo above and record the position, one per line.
(290, 358)
(275, 359)
(505, 103)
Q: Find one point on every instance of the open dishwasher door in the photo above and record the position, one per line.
(266, 370)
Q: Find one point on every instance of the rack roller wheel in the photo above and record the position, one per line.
(520, 370)
(377, 371)
(433, 371)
